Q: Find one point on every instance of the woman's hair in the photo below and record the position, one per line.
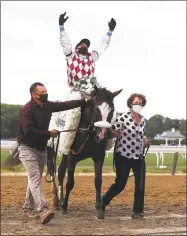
(132, 96)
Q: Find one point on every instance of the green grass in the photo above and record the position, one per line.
(87, 166)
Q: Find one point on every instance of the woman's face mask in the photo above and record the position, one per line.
(136, 108)
(137, 104)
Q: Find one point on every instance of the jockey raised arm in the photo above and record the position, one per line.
(67, 45)
(81, 79)
(80, 62)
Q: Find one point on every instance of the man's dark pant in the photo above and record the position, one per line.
(123, 166)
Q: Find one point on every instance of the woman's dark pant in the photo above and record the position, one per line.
(123, 166)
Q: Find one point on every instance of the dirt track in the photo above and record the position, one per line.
(165, 204)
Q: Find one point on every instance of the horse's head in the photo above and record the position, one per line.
(100, 111)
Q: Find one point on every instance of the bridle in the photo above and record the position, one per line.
(90, 129)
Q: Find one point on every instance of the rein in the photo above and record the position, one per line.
(145, 150)
(53, 175)
(81, 147)
(90, 129)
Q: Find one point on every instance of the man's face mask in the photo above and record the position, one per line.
(83, 50)
(43, 97)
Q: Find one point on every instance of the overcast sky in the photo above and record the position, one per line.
(147, 53)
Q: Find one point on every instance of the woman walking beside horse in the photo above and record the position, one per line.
(128, 152)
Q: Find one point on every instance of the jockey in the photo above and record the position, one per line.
(81, 63)
(80, 73)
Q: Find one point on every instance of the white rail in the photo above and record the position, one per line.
(159, 151)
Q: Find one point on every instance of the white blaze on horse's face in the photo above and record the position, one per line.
(105, 110)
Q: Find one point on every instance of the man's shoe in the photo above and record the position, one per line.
(137, 215)
(46, 216)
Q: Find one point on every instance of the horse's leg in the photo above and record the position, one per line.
(70, 181)
(61, 175)
(55, 201)
(98, 165)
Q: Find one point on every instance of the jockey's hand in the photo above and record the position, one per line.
(112, 24)
(54, 133)
(62, 18)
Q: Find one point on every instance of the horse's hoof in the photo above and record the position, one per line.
(100, 215)
(64, 211)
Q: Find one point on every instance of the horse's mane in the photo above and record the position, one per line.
(103, 94)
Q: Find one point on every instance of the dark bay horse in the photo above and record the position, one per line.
(88, 143)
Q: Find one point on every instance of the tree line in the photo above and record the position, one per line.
(157, 124)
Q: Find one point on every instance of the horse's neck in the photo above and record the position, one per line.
(81, 137)
(84, 124)
(85, 121)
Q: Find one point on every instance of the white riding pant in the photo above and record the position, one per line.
(72, 119)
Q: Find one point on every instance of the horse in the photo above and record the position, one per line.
(91, 142)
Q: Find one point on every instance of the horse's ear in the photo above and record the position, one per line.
(96, 90)
(117, 92)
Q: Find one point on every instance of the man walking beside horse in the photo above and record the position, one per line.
(33, 135)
